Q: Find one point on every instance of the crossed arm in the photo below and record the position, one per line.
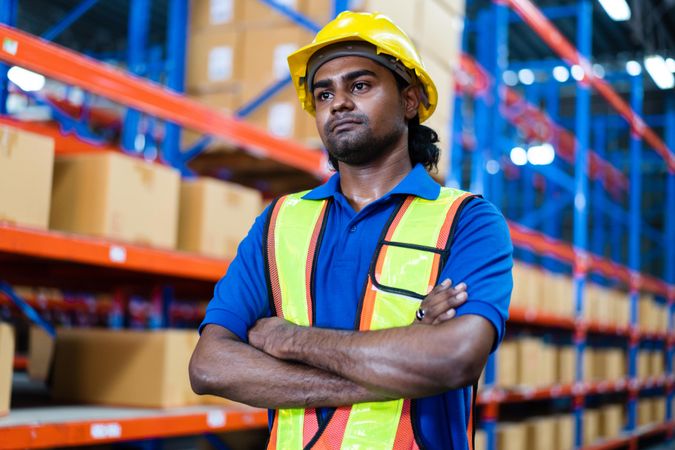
(285, 365)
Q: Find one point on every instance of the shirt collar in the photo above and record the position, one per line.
(417, 182)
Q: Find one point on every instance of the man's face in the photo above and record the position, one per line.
(360, 113)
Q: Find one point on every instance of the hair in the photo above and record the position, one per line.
(422, 140)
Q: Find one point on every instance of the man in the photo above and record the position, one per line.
(319, 315)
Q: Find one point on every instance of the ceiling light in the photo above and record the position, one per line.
(598, 71)
(658, 69)
(541, 155)
(671, 64)
(526, 76)
(492, 167)
(633, 68)
(561, 74)
(26, 80)
(518, 156)
(577, 72)
(510, 78)
(617, 10)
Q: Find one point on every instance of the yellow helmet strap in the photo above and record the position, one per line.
(355, 48)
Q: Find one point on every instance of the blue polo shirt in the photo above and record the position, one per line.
(480, 256)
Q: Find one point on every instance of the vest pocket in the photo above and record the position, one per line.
(405, 269)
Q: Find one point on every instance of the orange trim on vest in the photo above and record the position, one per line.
(272, 443)
(309, 266)
(444, 235)
(332, 436)
(272, 261)
(310, 427)
(469, 428)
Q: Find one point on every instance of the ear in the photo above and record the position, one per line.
(411, 100)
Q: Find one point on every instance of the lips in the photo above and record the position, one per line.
(344, 122)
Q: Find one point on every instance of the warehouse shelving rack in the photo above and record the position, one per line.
(69, 67)
(495, 105)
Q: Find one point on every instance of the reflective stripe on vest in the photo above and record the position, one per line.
(406, 265)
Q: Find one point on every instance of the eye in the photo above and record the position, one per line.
(322, 96)
(360, 86)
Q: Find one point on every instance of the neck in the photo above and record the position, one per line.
(362, 185)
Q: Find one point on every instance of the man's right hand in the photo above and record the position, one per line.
(441, 303)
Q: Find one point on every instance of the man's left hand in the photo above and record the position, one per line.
(271, 335)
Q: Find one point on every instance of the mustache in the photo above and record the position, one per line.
(345, 118)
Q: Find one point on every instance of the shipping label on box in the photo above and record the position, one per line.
(26, 168)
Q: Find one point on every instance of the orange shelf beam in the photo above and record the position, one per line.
(529, 12)
(58, 246)
(164, 424)
(72, 68)
(544, 245)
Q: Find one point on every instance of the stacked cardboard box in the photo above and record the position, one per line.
(565, 364)
(6, 366)
(659, 410)
(541, 433)
(527, 286)
(507, 364)
(237, 48)
(116, 196)
(564, 432)
(611, 420)
(512, 436)
(541, 374)
(645, 412)
(215, 216)
(124, 367)
(591, 426)
(480, 442)
(26, 164)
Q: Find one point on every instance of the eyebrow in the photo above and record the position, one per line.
(346, 77)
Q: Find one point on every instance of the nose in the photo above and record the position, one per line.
(342, 101)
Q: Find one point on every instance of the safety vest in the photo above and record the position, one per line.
(408, 260)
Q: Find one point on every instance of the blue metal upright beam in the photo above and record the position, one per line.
(582, 130)
(8, 12)
(599, 233)
(669, 266)
(70, 18)
(138, 28)
(634, 235)
(175, 52)
(482, 108)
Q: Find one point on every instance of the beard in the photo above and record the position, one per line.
(359, 146)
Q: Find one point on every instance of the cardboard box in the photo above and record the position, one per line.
(527, 286)
(282, 115)
(40, 353)
(225, 102)
(211, 15)
(565, 364)
(656, 363)
(564, 432)
(591, 426)
(6, 366)
(257, 13)
(214, 61)
(124, 367)
(507, 364)
(611, 421)
(26, 164)
(659, 410)
(643, 363)
(215, 216)
(512, 436)
(445, 46)
(645, 411)
(543, 372)
(116, 196)
(480, 441)
(541, 433)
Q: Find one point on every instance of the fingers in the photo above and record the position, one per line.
(439, 305)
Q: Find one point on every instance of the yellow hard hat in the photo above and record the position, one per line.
(376, 29)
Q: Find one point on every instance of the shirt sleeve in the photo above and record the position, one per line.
(481, 255)
(241, 297)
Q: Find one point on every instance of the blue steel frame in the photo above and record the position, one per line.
(8, 12)
(491, 28)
